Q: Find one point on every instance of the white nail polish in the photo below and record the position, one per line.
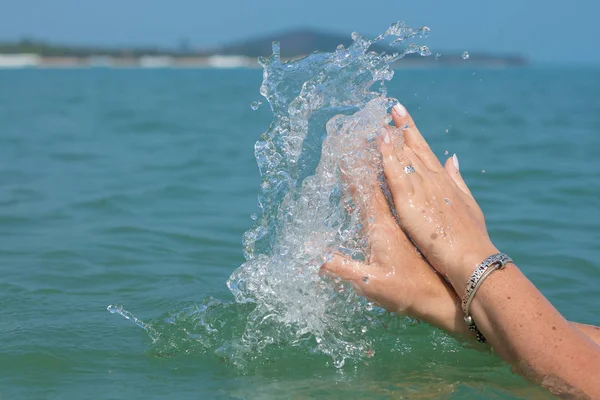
(400, 110)
(385, 136)
(455, 161)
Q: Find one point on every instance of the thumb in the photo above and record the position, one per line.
(347, 269)
(344, 268)
(452, 168)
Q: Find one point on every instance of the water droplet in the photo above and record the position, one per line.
(253, 216)
(328, 256)
(465, 55)
(424, 51)
(369, 307)
(276, 48)
(438, 55)
(447, 200)
(255, 105)
(339, 363)
(446, 130)
(355, 36)
(114, 309)
(446, 151)
(363, 329)
(370, 353)
(483, 171)
(365, 279)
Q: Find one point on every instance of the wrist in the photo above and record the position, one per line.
(460, 275)
(442, 311)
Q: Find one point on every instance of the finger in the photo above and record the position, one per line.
(400, 165)
(377, 222)
(414, 139)
(344, 268)
(350, 188)
(363, 188)
(394, 168)
(452, 168)
(376, 215)
(347, 269)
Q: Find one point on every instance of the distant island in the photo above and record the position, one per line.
(294, 44)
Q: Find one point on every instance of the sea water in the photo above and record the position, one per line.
(135, 187)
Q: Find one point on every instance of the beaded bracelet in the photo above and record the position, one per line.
(483, 270)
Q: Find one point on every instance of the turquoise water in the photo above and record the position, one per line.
(134, 188)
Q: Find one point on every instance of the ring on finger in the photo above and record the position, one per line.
(409, 169)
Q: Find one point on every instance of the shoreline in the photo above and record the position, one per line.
(34, 61)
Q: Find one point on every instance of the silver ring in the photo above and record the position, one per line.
(409, 169)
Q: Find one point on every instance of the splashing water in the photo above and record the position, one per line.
(153, 333)
(302, 194)
(328, 109)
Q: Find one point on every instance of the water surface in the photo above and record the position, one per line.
(134, 187)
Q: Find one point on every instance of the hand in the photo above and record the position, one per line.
(433, 203)
(396, 276)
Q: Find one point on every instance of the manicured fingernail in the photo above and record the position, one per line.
(386, 137)
(455, 161)
(400, 110)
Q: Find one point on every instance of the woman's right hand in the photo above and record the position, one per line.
(433, 202)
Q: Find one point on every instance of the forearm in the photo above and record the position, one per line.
(593, 332)
(527, 331)
(447, 315)
(445, 312)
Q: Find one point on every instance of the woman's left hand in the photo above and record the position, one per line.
(396, 277)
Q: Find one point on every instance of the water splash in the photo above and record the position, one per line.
(153, 333)
(302, 199)
(328, 109)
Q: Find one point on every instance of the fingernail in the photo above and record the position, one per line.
(385, 136)
(400, 110)
(455, 161)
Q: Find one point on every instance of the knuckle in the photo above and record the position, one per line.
(421, 146)
(402, 158)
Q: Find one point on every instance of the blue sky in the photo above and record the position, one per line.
(544, 31)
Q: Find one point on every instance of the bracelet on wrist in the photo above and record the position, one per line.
(481, 272)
